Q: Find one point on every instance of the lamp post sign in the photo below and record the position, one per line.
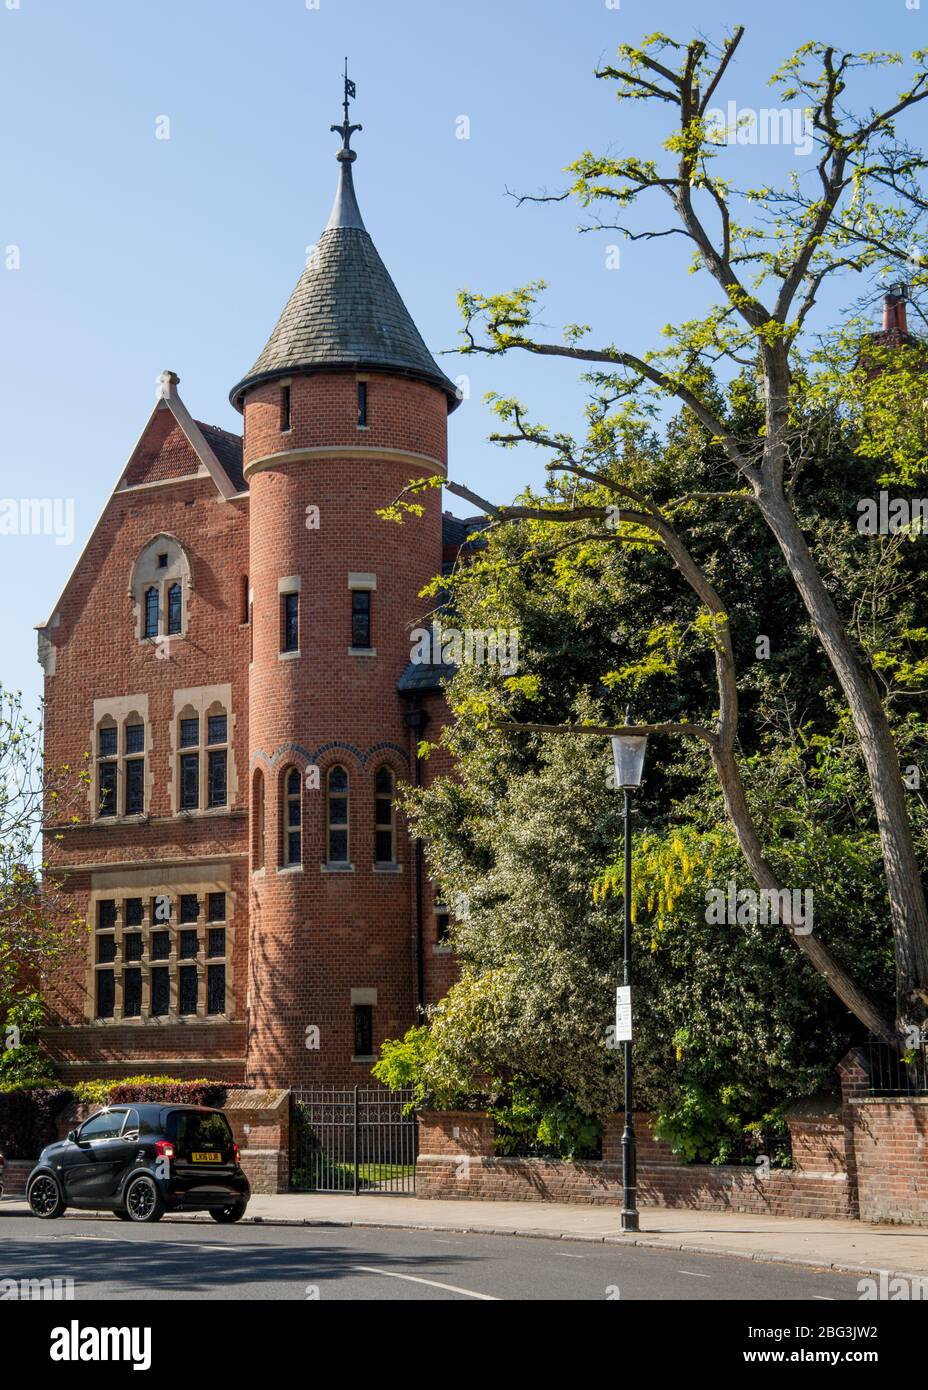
(623, 1013)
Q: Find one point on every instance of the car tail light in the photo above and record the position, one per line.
(165, 1149)
(235, 1152)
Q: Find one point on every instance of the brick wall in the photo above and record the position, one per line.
(463, 1166)
(888, 1140)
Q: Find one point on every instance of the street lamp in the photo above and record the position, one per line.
(628, 752)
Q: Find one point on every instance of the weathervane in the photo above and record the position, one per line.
(346, 129)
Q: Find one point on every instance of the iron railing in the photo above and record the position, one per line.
(896, 1072)
(356, 1140)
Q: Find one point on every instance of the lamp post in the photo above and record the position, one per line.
(628, 752)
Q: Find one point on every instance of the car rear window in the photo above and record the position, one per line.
(200, 1133)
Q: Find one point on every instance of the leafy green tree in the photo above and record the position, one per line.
(38, 925)
(766, 253)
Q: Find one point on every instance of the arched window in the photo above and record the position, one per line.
(257, 820)
(292, 818)
(338, 816)
(175, 608)
(384, 829)
(160, 587)
(151, 612)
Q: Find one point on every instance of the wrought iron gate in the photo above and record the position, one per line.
(358, 1140)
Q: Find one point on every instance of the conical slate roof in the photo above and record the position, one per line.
(345, 311)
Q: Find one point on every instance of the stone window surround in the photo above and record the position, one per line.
(368, 583)
(119, 709)
(147, 884)
(202, 700)
(146, 575)
(289, 584)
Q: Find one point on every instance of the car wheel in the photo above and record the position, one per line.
(143, 1200)
(44, 1197)
(121, 1215)
(225, 1215)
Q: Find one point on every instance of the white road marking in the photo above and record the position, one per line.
(181, 1244)
(822, 1298)
(432, 1283)
(693, 1275)
(564, 1256)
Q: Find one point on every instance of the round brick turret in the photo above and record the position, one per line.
(342, 408)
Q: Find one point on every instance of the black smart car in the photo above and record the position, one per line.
(139, 1161)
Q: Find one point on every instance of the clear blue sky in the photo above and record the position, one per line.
(139, 254)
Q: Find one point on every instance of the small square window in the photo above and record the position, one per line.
(133, 910)
(216, 941)
(106, 913)
(189, 733)
(216, 728)
(189, 907)
(216, 907)
(132, 945)
(160, 945)
(188, 945)
(162, 562)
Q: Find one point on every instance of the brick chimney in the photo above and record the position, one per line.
(894, 330)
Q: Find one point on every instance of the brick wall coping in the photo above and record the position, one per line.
(888, 1100)
(242, 1099)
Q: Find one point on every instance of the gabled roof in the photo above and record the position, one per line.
(220, 456)
(345, 311)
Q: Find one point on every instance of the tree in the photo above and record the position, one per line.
(37, 923)
(863, 215)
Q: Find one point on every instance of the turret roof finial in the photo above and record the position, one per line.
(346, 129)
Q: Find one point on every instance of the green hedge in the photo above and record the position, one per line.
(29, 1114)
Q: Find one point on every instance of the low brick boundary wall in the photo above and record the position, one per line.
(15, 1171)
(456, 1161)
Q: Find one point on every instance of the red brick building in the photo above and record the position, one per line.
(232, 652)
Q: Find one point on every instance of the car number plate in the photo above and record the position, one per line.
(207, 1158)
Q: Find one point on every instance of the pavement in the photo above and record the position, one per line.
(854, 1246)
